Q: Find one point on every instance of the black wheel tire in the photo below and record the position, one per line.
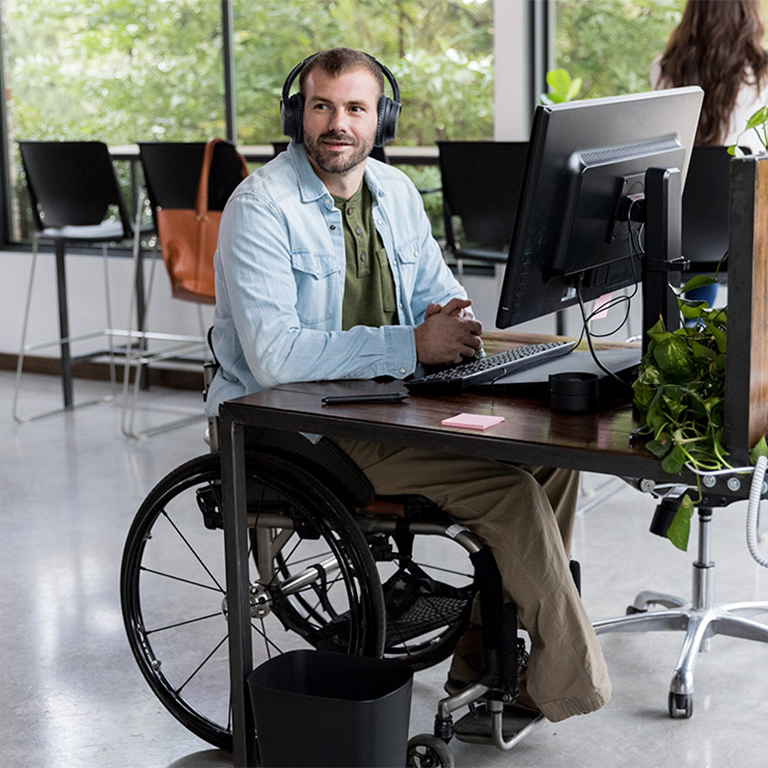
(428, 751)
(170, 520)
(680, 705)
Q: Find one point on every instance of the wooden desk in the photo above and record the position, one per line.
(531, 433)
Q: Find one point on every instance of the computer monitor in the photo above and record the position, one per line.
(586, 182)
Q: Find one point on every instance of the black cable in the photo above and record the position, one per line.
(635, 251)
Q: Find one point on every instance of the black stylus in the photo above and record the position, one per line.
(386, 397)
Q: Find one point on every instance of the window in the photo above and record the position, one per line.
(123, 71)
(441, 52)
(610, 44)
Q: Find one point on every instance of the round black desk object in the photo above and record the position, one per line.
(574, 392)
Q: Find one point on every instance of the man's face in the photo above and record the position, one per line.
(340, 117)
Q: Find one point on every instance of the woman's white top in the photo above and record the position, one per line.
(749, 100)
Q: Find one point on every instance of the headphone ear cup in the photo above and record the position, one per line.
(292, 117)
(388, 114)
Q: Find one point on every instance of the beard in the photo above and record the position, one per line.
(330, 162)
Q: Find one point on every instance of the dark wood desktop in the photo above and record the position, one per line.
(531, 432)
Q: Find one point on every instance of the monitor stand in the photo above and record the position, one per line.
(533, 382)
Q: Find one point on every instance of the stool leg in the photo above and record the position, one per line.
(66, 355)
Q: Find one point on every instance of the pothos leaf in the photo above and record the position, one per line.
(761, 449)
(680, 529)
(674, 358)
(674, 461)
(699, 281)
(657, 331)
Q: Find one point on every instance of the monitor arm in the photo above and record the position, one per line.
(660, 209)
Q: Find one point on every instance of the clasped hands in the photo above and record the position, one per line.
(448, 334)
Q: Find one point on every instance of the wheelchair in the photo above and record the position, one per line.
(332, 568)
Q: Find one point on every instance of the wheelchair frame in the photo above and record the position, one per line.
(331, 596)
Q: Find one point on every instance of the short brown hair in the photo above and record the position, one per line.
(335, 61)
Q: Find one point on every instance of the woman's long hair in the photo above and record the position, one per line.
(717, 45)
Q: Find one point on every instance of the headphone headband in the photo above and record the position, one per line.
(292, 107)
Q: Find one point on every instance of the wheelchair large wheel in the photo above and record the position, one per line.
(313, 584)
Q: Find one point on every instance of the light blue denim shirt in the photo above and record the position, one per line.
(280, 268)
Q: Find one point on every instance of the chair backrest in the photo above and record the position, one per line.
(71, 183)
(705, 206)
(172, 173)
(481, 185)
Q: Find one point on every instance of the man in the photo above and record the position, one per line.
(327, 269)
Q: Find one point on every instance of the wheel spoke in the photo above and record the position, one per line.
(444, 570)
(202, 663)
(217, 588)
(266, 638)
(184, 623)
(192, 550)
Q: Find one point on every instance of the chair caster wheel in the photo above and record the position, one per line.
(680, 705)
(428, 751)
(631, 610)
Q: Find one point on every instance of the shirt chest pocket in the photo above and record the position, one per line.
(315, 287)
(407, 265)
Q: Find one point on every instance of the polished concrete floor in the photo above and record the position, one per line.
(71, 694)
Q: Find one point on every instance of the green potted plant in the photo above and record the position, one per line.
(679, 394)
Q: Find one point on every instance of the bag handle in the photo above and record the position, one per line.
(201, 204)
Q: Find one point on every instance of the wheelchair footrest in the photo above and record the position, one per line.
(475, 727)
(425, 614)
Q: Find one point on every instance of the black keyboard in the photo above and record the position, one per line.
(459, 377)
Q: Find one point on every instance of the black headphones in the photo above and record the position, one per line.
(292, 107)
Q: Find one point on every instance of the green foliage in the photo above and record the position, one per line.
(130, 70)
(679, 394)
(610, 44)
(562, 87)
(758, 122)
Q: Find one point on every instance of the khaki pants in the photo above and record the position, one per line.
(526, 516)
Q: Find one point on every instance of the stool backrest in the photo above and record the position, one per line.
(172, 173)
(705, 215)
(71, 183)
(481, 185)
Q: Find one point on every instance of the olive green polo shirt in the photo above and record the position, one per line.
(369, 287)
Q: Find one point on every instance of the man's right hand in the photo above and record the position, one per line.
(448, 334)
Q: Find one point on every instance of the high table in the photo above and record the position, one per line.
(531, 433)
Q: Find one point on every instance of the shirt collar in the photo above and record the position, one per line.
(310, 186)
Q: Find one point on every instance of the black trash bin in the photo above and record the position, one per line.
(317, 708)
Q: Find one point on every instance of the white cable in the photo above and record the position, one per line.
(718, 472)
(755, 491)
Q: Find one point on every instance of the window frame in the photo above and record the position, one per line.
(523, 73)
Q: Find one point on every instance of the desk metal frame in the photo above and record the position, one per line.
(531, 434)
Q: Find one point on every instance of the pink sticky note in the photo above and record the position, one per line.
(598, 313)
(472, 421)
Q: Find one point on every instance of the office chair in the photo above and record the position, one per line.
(76, 200)
(481, 187)
(172, 176)
(705, 214)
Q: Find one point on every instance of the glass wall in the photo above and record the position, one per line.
(118, 71)
(610, 44)
(440, 51)
(123, 71)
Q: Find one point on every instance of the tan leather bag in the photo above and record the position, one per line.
(188, 239)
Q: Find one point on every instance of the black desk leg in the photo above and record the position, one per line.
(236, 559)
(66, 355)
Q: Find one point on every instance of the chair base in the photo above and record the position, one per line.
(699, 618)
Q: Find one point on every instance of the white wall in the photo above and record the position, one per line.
(85, 288)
